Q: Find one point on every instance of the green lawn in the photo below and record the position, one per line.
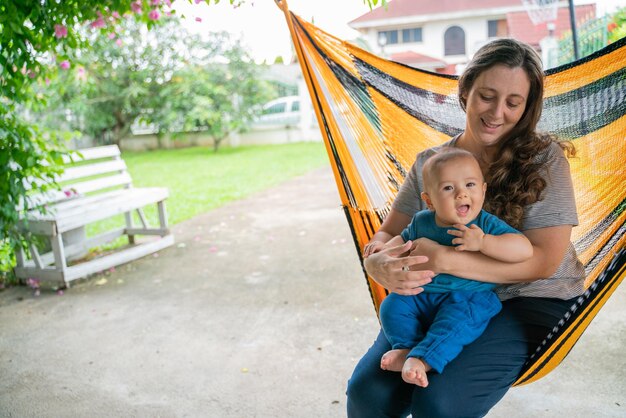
(200, 180)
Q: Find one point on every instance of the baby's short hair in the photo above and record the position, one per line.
(442, 156)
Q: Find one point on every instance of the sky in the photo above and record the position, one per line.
(262, 26)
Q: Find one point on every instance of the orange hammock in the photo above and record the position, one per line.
(376, 115)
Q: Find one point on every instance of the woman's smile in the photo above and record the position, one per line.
(495, 104)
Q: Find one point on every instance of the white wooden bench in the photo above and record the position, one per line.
(94, 186)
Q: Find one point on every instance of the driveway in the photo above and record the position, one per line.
(259, 310)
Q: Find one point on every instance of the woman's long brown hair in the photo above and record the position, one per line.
(514, 177)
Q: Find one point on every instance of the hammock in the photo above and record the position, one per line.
(376, 115)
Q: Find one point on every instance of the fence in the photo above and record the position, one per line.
(592, 36)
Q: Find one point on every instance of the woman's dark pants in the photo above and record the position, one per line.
(472, 383)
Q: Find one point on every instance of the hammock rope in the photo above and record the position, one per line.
(376, 115)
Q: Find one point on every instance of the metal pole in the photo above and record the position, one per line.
(572, 22)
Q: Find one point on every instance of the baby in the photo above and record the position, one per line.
(428, 330)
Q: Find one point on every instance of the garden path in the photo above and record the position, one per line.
(259, 310)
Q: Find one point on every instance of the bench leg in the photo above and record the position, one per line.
(34, 254)
(142, 218)
(162, 214)
(59, 255)
(20, 257)
(129, 226)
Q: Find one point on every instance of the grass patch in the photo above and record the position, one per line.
(200, 180)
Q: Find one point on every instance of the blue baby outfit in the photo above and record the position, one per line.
(452, 311)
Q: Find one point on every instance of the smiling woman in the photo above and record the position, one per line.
(501, 91)
(497, 103)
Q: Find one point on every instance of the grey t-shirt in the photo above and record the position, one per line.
(557, 207)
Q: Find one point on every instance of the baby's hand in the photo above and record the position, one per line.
(372, 247)
(468, 239)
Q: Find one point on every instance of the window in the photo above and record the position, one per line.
(454, 41)
(496, 28)
(391, 37)
(276, 108)
(295, 106)
(492, 28)
(411, 35)
(400, 36)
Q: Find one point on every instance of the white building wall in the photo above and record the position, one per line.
(432, 44)
(473, 22)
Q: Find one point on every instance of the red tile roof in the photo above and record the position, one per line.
(410, 57)
(521, 28)
(401, 8)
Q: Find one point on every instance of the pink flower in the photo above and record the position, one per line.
(198, 19)
(136, 6)
(32, 74)
(81, 75)
(168, 2)
(64, 64)
(111, 36)
(98, 23)
(199, 1)
(33, 283)
(115, 15)
(155, 2)
(60, 31)
(47, 81)
(154, 15)
(118, 42)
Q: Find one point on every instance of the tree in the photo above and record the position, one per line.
(37, 39)
(220, 96)
(116, 79)
(215, 87)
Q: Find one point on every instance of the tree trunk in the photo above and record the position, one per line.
(216, 143)
(218, 140)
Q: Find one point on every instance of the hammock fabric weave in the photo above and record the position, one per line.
(376, 115)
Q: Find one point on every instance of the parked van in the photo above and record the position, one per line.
(284, 111)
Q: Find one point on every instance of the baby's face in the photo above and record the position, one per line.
(456, 192)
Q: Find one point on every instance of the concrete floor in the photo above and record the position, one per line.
(260, 310)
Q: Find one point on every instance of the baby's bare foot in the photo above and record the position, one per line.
(393, 360)
(414, 371)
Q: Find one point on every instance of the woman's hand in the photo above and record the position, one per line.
(433, 251)
(391, 270)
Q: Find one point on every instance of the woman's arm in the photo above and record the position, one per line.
(385, 267)
(549, 247)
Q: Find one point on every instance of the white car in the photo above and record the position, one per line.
(284, 111)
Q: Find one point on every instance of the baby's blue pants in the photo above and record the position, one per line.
(436, 326)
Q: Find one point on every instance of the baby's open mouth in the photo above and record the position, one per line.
(463, 210)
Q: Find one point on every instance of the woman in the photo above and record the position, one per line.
(529, 186)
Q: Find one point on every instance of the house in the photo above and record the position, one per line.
(443, 35)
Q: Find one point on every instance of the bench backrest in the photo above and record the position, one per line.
(87, 171)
